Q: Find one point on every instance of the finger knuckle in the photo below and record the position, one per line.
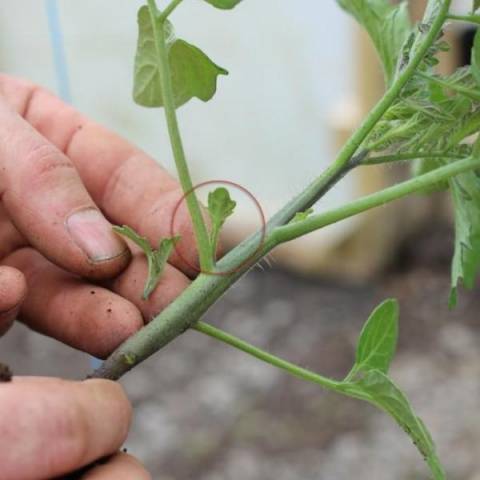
(44, 161)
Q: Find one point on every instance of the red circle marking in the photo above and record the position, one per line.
(257, 205)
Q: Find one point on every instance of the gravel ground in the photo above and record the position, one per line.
(204, 411)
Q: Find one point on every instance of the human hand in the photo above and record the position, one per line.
(53, 427)
(61, 176)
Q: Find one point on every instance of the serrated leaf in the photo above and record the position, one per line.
(157, 259)
(224, 4)
(193, 73)
(465, 190)
(130, 233)
(475, 60)
(220, 207)
(437, 92)
(300, 216)
(377, 388)
(389, 28)
(378, 339)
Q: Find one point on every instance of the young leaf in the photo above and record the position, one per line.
(378, 389)
(130, 233)
(465, 190)
(388, 26)
(193, 73)
(475, 61)
(224, 4)
(220, 207)
(300, 216)
(156, 259)
(378, 339)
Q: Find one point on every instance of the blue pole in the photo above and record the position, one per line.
(58, 50)
(61, 72)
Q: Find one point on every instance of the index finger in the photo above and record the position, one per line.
(46, 200)
(128, 185)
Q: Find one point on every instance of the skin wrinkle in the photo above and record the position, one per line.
(31, 92)
(71, 137)
(33, 96)
(119, 184)
(31, 274)
(13, 291)
(115, 180)
(10, 237)
(43, 159)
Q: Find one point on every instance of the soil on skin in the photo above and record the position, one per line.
(206, 412)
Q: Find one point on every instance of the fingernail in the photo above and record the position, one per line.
(93, 234)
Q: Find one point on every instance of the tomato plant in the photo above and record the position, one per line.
(430, 120)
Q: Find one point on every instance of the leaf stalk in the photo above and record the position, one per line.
(200, 229)
(416, 184)
(169, 9)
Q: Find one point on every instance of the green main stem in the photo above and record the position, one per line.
(201, 234)
(207, 289)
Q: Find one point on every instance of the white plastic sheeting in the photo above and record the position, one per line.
(267, 128)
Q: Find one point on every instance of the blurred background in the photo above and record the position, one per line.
(301, 79)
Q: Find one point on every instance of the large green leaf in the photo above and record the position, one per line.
(466, 260)
(368, 380)
(475, 6)
(377, 388)
(224, 4)
(193, 73)
(389, 28)
(378, 339)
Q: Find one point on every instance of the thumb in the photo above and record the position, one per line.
(13, 289)
(48, 203)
